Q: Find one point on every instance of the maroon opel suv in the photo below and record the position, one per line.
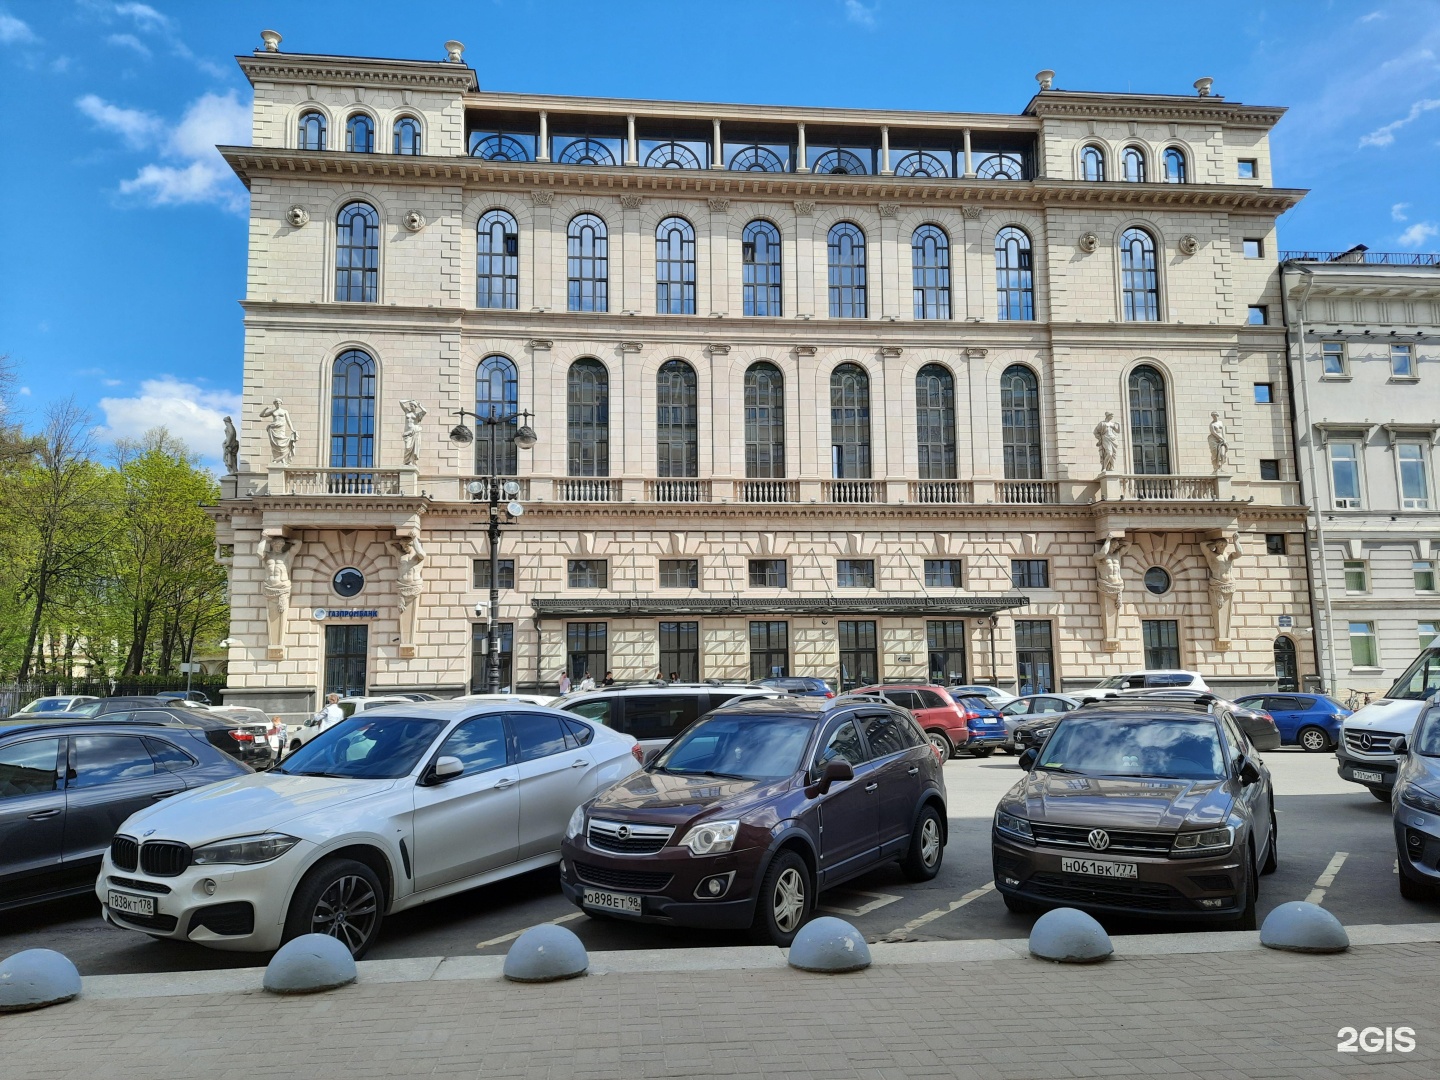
(752, 811)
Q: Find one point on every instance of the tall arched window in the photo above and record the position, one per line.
(1139, 279)
(850, 423)
(1149, 426)
(357, 252)
(312, 131)
(352, 411)
(1132, 165)
(1020, 422)
(674, 267)
(589, 264)
(1014, 276)
(930, 272)
(1175, 166)
(588, 408)
(764, 421)
(846, 251)
(935, 422)
(497, 393)
(360, 134)
(407, 135)
(760, 265)
(677, 425)
(497, 260)
(1092, 163)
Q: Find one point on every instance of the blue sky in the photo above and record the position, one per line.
(124, 250)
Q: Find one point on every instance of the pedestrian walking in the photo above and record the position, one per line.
(586, 682)
(564, 682)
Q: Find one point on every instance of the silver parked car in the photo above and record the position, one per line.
(655, 713)
(1415, 807)
(1014, 713)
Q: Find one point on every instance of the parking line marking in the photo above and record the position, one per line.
(511, 937)
(930, 916)
(1326, 879)
(880, 900)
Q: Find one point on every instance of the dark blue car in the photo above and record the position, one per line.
(1311, 721)
(987, 727)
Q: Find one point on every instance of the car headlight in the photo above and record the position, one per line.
(711, 838)
(245, 850)
(1416, 796)
(1208, 842)
(577, 823)
(1015, 826)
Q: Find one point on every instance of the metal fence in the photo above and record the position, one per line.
(15, 695)
(1380, 258)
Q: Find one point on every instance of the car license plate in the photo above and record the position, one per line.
(130, 905)
(1365, 776)
(1099, 868)
(609, 901)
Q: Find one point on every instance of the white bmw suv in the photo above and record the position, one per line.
(389, 809)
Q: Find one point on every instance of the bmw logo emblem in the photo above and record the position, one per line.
(1099, 839)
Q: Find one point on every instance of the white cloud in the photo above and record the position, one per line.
(193, 414)
(1397, 212)
(1384, 136)
(129, 41)
(1372, 17)
(15, 32)
(24, 391)
(1418, 234)
(143, 14)
(859, 14)
(211, 120)
(135, 126)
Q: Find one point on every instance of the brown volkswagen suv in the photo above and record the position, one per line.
(1165, 812)
(755, 809)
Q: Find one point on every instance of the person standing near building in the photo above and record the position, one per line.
(609, 679)
(564, 683)
(331, 714)
(586, 682)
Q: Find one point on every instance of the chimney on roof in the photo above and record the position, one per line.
(1202, 86)
(454, 50)
(1045, 78)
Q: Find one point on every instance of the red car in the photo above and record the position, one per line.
(946, 720)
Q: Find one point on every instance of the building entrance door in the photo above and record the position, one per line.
(346, 646)
(1286, 677)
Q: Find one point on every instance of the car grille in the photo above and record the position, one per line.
(1370, 743)
(1139, 895)
(624, 838)
(164, 858)
(634, 880)
(1078, 836)
(163, 923)
(139, 886)
(124, 853)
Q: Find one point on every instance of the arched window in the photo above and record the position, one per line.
(1287, 672)
(407, 135)
(1000, 167)
(1132, 165)
(312, 131)
(1014, 276)
(674, 267)
(677, 426)
(1149, 426)
(357, 252)
(1139, 279)
(586, 152)
(588, 402)
(500, 147)
(935, 422)
(1020, 422)
(930, 271)
(352, 411)
(1175, 166)
(497, 260)
(760, 265)
(756, 159)
(360, 134)
(850, 423)
(764, 421)
(589, 264)
(497, 393)
(672, 155)
(841, 162)
(847, 271)
(921, 164)
(1092, 163)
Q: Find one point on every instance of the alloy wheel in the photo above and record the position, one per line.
(940, 742)
(1313, 739)
(789, 900)
(930, 841)
(347, 910)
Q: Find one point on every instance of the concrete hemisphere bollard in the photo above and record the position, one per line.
(1302, 927)
(35, 978)
(546, 953)
(1068, 936)
(308, 964)
(829, 945)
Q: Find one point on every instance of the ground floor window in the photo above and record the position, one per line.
(479, 649)
(346, 646)
(946, 642)
(1162, 643)
(769, 650)
(586, 650)
(859, 659)
(680, 650)
(1034, 657)
(1362, 645)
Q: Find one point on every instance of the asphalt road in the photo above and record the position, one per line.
(1336, 848)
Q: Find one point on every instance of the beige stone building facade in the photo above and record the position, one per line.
(824, 392)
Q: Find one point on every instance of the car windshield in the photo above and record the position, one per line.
(738, 747)
(367, 747)
(47, 705)
(1427, 733)
(1182, 749)
(1420, 680)
(1111, 683)
(88, 708)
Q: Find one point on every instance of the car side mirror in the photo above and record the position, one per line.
(1028, 758)
(1399, 746)
(834, 772)
(1249, 772)
(446, 768)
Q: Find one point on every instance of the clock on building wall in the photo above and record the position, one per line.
(348, 582)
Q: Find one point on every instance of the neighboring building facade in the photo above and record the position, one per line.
(817, 391)
(1367, 416)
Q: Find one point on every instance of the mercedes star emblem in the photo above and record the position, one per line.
(1365, 741)
(1099, 839)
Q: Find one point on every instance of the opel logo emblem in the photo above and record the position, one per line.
(623, 832)
(1099, 839)
(1365, 741)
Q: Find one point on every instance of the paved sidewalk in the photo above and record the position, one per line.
(1207, 1006)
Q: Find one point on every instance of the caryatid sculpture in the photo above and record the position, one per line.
(230, 448)
(414, 430)
(409, 585)
(1112, 586)
(1107, 441)
(1219, 448)
(1221, 554)
(280, 431)
(277, 556)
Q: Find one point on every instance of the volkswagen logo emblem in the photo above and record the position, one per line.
(1365, 741)
(623, 832)
(1099, 839)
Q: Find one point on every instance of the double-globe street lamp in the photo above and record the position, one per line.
(500, 493)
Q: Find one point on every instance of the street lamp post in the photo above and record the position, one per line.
(495, 490)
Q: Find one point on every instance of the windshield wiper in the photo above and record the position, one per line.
(701, 772)
(331, 775)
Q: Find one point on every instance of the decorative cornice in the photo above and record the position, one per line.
(268, 67)
(1161, 107)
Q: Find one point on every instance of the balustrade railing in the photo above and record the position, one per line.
(675, 490)
(1195, 488)
(767, 491)
(853, 491)
(1033, 492)
(942, 491)
(587, 489)
(342, 481)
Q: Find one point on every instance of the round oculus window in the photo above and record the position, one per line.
(1157, 581)
(348, 582)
